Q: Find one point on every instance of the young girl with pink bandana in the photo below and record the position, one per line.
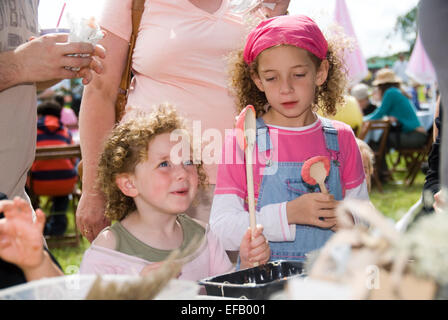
(287, 71)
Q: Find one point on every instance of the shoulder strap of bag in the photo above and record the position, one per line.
(137, 10)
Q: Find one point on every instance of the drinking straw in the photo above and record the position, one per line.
(60, 15)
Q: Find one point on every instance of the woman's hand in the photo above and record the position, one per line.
(392, 119)
(90, 218)
(314, 209)
(254, 249)
(96, 65)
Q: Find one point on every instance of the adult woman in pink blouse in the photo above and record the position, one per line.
(179, 58)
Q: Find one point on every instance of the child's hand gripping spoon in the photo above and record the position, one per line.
(246, 126)
(315, 170)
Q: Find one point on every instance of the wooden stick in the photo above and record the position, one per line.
(250, 191)
(323, 188)
(250, 188)
(250, 136)
(318, 173)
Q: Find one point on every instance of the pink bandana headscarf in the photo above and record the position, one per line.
(296, 30)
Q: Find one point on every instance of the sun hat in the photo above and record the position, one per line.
(413, 82)
(296, 30)
(360, 91)
(385, 76)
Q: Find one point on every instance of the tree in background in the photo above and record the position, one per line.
(406, 26)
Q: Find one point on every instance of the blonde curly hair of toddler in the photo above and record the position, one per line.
(128, 146)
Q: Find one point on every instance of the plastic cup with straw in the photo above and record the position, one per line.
(56, 29)
(60, 15)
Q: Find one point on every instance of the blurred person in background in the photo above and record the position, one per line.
(349, 112)
(399, 67)
(53, 177)
(361, 93)
(395, 105)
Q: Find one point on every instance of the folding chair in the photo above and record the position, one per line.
(377, 130)
(59, 152)
(413, 159)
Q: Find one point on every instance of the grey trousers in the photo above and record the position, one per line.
(433, 29)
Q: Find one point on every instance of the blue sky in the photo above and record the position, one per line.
(373, 20)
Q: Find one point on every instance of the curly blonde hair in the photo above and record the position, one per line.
(327, 97)
(128, 146)
(368, 155)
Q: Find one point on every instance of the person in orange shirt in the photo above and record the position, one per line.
(53, 177)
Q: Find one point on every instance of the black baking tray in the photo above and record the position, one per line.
(256, 283)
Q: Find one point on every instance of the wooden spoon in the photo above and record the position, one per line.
(319, 173)
(315, 170)
(246, 123)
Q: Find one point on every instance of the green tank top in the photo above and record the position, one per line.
(128, 244)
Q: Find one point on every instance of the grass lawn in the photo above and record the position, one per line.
(395, 200)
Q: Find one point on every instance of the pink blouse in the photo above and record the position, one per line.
(180, 58)
(209, 260)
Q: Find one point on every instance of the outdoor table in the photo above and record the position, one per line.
(426, 118)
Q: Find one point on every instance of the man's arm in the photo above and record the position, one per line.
(45, 58)
(9, 70)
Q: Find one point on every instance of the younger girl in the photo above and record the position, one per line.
(287, 71)
(148, 187)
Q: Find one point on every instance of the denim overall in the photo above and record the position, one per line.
(286, 184)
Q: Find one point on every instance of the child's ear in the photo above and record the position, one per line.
(322, 72)
(126, 184)
(256, 79)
